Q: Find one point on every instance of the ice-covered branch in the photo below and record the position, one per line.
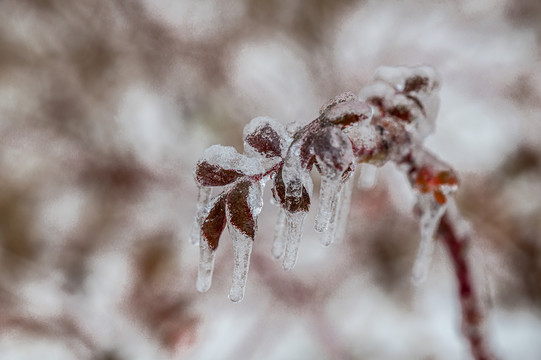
(387, 122)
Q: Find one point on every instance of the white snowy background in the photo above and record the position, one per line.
(105, 108)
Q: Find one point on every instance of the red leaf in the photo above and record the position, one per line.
(291, 204)
(333, 147)
(213, 175)
(416, 83)
(240, 215)
(348, 113)
(266, 141)
(214, 223)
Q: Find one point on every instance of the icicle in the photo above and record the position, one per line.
(338, 222)
(292, 172)
(430, 219)
(206, 267)
(327, 195)
(203, 200)
(279, 244)
(242, 248)
(295, 223)
(327, 238)
(343, 210)
(367, 176)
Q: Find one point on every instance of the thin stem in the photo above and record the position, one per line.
(472, 315)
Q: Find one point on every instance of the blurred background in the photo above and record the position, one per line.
(105, 107)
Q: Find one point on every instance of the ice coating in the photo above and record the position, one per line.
(341, 220)
(349, 113)
(333, 157)
(242, 241)
(327, 202)
(226, 157)
(409, 94)
(279, 243)
(242, 249)
(394, 75)
(377, 89)
(343, 97)
(432, 212)
(294, 222)
(203, 200)
(340, 211)
(294, 226)
(293, 172)
(387, 122)
(367, 175)
(206, 266)
(265, 127)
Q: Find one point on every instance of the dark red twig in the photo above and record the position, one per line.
(472, 315)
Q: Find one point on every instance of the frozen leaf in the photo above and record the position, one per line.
(265, 137)
(240, 214)
(295, 172)
(214, 224)
(378, 94)
(394, 75)
(422, 81)
(214, 175)
(333, 151)
(334, 155)
(405, 109)
(290, 203)
(346, 114)
(222, 165)
(343, 97)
